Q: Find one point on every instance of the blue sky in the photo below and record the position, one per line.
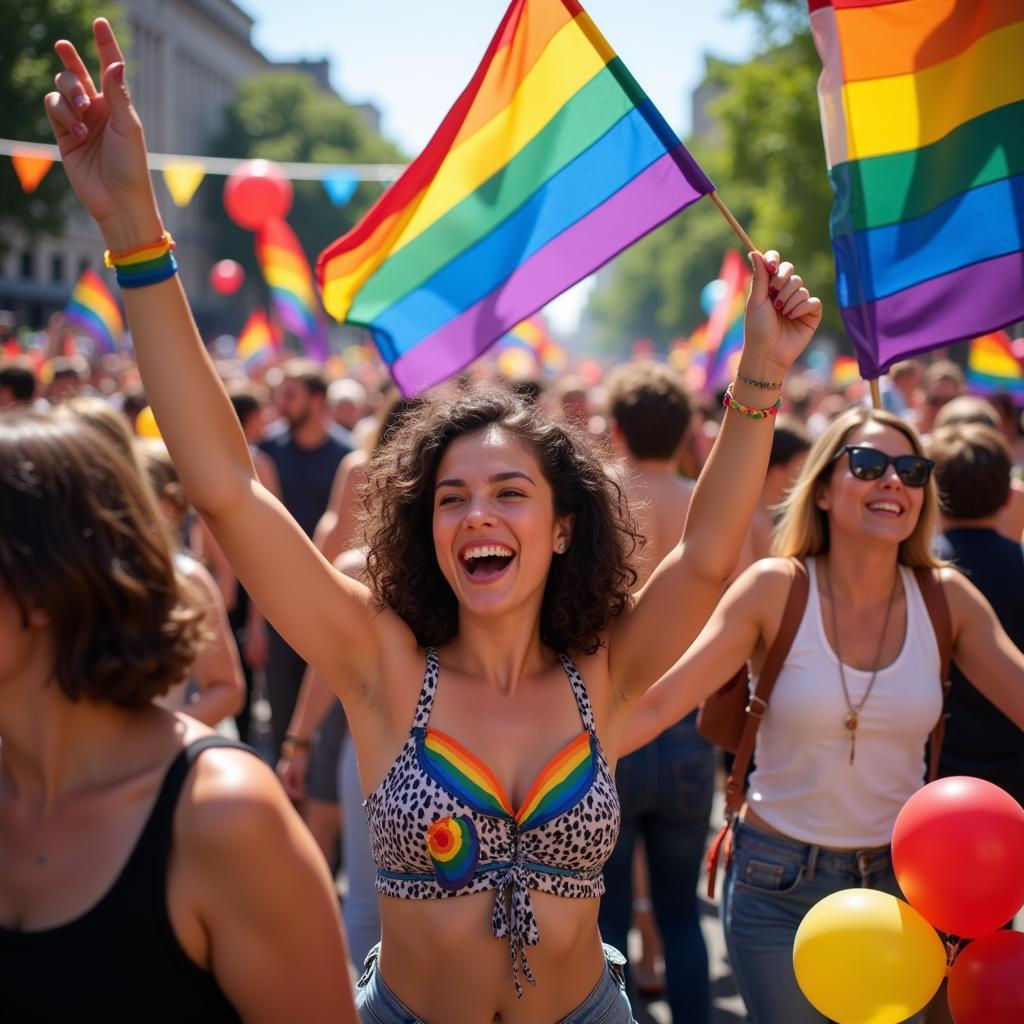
(412, 58)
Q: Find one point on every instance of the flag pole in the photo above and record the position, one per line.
(876, 394)
(733, 222)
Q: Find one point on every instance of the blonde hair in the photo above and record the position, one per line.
(803, 528)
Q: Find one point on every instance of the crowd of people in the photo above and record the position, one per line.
(482, 621)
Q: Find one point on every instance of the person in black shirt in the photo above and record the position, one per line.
(143, 875)
(972, 469)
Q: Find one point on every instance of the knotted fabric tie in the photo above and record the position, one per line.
(521, 929)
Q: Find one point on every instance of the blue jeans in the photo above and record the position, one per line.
(665, 790)
(771, 884)
(606, 1004)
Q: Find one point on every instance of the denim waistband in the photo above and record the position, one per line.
(867, 861)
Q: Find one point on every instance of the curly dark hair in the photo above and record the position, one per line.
(586, 587)
(81, 538)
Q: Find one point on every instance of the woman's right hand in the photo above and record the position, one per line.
(291, 769)
(101, 142)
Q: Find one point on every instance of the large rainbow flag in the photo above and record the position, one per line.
(551, 162)
(992, 366)
(292, 294)
(922, 106)
(94, 311)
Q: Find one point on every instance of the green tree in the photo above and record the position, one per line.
(28, 29)
(286, 117)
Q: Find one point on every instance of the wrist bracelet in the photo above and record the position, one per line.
(755, 414)
(145, 264)
(767, 385)
(296, 742)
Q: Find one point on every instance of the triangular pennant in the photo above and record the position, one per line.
(341, 187)
(183, 178)
(30, 169)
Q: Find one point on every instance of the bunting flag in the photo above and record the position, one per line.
(292, 293)
(256, 341)
(30, 169)
(551, 162)
(95, 312)
(723, 337)
(992, 367)
(922, 103)
(340, 188)
(182, 178)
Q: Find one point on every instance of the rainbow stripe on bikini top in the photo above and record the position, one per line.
(561, 784)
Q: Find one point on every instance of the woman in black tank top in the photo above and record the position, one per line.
(141, 877)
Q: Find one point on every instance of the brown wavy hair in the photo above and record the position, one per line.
(586, 587)
(81, 538)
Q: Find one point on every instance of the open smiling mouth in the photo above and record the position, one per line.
(487, 562)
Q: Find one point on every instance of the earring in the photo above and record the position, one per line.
(561, 547)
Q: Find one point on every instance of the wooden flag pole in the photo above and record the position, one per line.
(733, 222)
(876, 394)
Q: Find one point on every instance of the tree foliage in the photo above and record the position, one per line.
(284, 116)
(768, 164)
(28, 29)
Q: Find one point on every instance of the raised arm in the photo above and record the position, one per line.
(325, 617)
(743, 624)
(981, 648)
(675, 603)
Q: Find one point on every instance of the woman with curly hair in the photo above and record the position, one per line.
(154, 869)
(488, 669)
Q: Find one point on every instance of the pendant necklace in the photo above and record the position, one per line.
(852, 719)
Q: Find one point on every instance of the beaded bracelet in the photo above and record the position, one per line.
(766, 385)
(755, 414)
(145, 264)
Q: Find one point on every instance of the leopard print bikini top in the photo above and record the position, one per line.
(441, 824)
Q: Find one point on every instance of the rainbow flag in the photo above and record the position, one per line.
(992, 367)
(94, 311)
(256, 341)
(844, 371)
(292, 294)
(551, 162)
(723, 338)
(922, 103)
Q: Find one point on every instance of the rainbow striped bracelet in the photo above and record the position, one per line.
(145, 264)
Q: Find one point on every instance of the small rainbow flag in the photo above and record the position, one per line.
(94, 311)
(723, 338)
(992, 367)
(292, 294)
(256, 341)
(551, 162)
(922, 103)
(844, 371)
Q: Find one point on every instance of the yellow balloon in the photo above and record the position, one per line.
(865, 957)
(145, 424)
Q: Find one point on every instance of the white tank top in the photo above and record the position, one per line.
(803, 784)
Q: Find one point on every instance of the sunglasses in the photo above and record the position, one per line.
(870, 464)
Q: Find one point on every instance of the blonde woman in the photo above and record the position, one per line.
(841, 746)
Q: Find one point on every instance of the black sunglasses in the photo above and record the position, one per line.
(870, 464)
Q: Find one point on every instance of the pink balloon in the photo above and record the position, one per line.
(257, 191)
(226, 277)
(957, 848)
(986, 984)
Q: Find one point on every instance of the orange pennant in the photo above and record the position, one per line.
(30, 169)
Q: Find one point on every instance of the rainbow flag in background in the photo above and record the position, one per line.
(256, 341)
(94, 311)
(723, 338)
(992, 367)
(922, 107)
(292, 293)
(551, 162)
(844, 371)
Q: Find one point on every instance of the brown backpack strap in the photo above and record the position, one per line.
(735, 785)
(929, 582)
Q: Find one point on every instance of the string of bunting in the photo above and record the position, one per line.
(183, 174)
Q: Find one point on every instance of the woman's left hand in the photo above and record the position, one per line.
(781, 316)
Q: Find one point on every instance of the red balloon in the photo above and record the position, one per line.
(257, 191)
(957, 848)
(226, 277)
(986, 984)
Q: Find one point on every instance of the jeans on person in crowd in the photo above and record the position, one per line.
(360, 906)
(606, 1004)
(771, 884)
(665, 790)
